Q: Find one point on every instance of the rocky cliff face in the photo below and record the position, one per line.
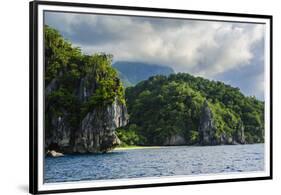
(175, 140)
(206, 127)
(207, 130)
(95, 131)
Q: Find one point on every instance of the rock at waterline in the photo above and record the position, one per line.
(53, 153)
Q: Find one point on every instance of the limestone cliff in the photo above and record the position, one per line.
(93, 131)
(97, 129)
(175, 140)
(209, 135)
(206, 127)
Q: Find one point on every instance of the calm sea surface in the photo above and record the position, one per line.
(167, 161)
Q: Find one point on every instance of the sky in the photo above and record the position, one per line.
(226, 51)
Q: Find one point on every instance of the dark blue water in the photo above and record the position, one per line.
(167, 161)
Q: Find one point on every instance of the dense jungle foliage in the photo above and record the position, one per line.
(159, 107)
(163, 106)
(66, 67)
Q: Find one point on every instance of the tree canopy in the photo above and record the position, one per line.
(168, 105)
(66, 69)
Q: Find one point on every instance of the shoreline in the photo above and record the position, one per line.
(54, 154)
(136, 147)
(158, 147)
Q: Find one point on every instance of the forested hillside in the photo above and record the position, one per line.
(85, 103)
(182, 109)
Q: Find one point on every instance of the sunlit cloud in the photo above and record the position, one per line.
(204, 48)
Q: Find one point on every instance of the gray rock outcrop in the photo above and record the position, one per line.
(53, 153)
(95, 131)
(207, 128)
(239, 136)
(175, 140)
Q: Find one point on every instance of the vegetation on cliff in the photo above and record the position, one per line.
(69, 65)
(77, 86)
(85, 100)
(162, 107)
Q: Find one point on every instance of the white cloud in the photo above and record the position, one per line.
(202, 48)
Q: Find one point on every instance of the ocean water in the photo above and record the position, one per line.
(153, 162)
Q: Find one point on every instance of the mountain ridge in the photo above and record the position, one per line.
(132, 72)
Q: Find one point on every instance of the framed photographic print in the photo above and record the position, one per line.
(129, 97)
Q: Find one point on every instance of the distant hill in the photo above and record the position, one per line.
(182, 109)
(132, 73)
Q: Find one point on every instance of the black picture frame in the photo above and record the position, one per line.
(33, 95)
